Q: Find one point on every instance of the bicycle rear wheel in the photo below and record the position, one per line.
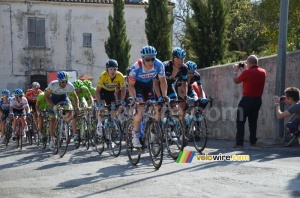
(99, 143)
(155, 144)
(134, 154)
(116, 139)
(86, 135)
(198, 129)
(176, 143)
(63, 137)
(8, 131)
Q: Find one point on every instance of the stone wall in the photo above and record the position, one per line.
(217, 82)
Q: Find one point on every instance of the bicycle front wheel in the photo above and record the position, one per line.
(63, 137)
(134, 154)
(198, 129)
(116, 140)
(174, 136)
(155, 144)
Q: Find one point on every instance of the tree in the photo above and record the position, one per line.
(205, 35)
(158, 28)
(269, 16)
(117, 45)
(182, 10)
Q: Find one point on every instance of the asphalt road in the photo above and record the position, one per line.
(273, 171)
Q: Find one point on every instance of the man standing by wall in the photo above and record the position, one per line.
(253, 78)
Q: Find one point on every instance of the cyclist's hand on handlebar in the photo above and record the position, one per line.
(122, 102)
(203, 100)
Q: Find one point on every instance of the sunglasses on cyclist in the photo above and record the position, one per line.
(191, 72)
(112, 69)
(149, 59)
(64, 81)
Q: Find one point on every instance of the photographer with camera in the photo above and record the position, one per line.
(253, 78)
(291, 98)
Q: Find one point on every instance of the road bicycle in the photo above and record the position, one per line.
(151, 139)
(32, 134)
(173, 129)
(45, 133)
(62, 133)
(112, 136)
(197, 125)
(8, 130)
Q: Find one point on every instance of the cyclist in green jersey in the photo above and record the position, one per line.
(83, 95)
(89, 85)
(41, 105)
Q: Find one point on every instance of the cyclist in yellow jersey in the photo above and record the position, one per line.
(107, 84)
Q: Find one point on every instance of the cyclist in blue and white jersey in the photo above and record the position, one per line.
(140, 84)
(18, 107)
(57, 94)
(4, 109)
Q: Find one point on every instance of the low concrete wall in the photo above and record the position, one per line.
(217, 82)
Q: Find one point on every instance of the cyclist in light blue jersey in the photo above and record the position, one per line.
(140, 84)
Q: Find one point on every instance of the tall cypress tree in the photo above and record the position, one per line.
(206, 29)
(117, 45)
(158, 28)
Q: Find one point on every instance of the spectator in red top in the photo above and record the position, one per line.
(31, 95)
(253, 78)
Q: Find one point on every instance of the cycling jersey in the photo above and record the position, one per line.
(109, 84)
(83, 96)
(56, 89)
(19, 105)
(196, 78)
(32, 95)
(5, 105)
(138, 72)
(43, 105)
(93, 91)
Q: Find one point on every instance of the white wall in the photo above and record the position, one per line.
(65, 25)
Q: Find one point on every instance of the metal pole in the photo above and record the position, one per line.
(281, 60)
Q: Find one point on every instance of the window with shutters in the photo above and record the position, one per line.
(87, 40)
(36, 32)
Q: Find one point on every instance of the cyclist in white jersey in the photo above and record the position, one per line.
(56, 94)
(18, 107)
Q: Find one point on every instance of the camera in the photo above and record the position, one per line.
(241, 65)
(282, 98)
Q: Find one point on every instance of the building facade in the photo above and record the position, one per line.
(50, 35)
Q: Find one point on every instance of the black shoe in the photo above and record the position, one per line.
(238, 146)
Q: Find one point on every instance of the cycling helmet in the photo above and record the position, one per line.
(178, 53)
(148, 51)
(87, 83)
(111, 63)
(191, 65)
(35, 85)
(18, 92)
(78, 84)
(62, 75)
(5, 92)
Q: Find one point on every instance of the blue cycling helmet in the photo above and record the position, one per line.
(148, 51)
(191, 65)
(18, 92)
(6, 92)
(62, 75)
(111, 63)
(178, 53)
